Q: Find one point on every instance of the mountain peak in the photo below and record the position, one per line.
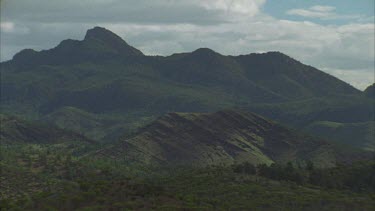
(108, 39)
(102, 34)
(204, 55)
(370, 91)
(204, 51)
(99, 43)
(24, 53)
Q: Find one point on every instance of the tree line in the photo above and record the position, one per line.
(359, 177)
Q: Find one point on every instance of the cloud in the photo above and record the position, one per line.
(320, 11)
(360, 78)
(10, 27)
(243, 7)
(322, 8)
(164, 27)
(113, 11)
(7, 26)
(199, 12)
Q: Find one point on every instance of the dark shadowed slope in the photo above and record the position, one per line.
(370, 91)
(99, 43)
(361, 135)
(16, 131)
(353, 114)
(223, 137)
(290, 78)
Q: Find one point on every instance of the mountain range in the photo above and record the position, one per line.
(95, 124)
(104, 88)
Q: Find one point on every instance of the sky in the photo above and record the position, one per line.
(336, 36)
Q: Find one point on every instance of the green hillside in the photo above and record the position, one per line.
(94, 126)
(347, 133)
(48, 178)
(355, 112)
(16, 131)
(222, 138)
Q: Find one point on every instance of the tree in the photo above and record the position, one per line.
(245, 168)
(309, 165)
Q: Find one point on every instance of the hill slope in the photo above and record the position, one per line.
(361, 135)
(16, 131)
(370, 91)
(223, 137)
(355, 112)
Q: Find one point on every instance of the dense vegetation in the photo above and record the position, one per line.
(358, 177)
(68, 175)
(47, 177)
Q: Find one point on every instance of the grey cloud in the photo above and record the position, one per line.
(112, 11)
(360, 78)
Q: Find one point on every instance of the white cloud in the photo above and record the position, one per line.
(321, 12)
(310, 13)
(7, 27)
(243, 7)
(10, 27)
(322, 8)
